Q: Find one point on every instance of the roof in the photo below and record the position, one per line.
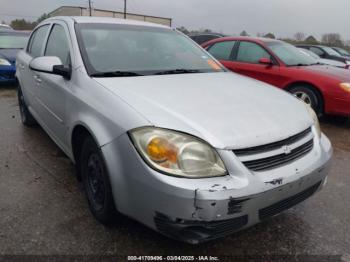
(104, 20)
(260, 40)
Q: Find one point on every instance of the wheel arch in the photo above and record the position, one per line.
(315, 88)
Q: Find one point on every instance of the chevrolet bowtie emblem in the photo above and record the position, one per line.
(287, 150)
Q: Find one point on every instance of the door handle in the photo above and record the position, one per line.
(37, 79)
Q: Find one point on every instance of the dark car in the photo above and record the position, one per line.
(341, 51)
(326, 53)
(10, 43)
(205, 37)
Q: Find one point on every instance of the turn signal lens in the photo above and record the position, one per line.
(345, 87)
(160, 150)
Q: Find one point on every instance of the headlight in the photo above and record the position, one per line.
(315, 118)
(4, 62)
(178, 154)
(345, 86)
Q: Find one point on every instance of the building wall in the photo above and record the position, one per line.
(81, 11)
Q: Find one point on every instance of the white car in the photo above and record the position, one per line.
(161, 132)
(4, 27)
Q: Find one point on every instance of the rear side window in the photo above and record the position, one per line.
(37, 41)
(57, 45)
(317, 51)
(222, 50)
(251, 53)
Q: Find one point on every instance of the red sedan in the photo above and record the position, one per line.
(325, 88)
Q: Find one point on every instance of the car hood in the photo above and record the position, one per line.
(9, 54)
(332, 62)
(329, 71)
(225, 109)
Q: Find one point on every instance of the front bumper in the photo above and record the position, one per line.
(7, 73)
(197, 210)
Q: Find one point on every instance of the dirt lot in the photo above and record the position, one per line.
(43, 209)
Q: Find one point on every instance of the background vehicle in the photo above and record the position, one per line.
(10, 44)
(326, 52)
(324, 61)
(4, 27)
(341, 51)
(325, 88)
(121, 98)
(204, 37)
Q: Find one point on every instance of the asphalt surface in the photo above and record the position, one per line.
(43, 210)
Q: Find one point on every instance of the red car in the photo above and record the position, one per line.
(325, 88)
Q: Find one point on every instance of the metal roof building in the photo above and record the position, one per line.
(83, 11)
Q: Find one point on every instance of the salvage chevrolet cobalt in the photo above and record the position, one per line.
(159, 131)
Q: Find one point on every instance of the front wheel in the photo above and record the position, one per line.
(309, 96)
(96, 182)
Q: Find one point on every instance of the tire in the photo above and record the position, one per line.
(96, 182)
(26, 117)
(310, 96)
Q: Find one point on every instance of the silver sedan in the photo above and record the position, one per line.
(161, 132)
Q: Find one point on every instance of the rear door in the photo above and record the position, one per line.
(246, 62)
(26, 76)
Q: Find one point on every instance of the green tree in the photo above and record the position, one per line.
(270, 35)
(244, 33)
(42, 18)
(22, 24)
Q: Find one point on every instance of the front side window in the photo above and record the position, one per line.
(249, 52)
(37, 41)
(222, 50)
(140, 49)
(57, 45)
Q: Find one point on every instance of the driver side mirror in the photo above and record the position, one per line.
(265, 61)
(50, 65)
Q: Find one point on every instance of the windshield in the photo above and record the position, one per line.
(330, 51)
(342, 51)
(13, 41)
(309, 53)
(290, 55)
(140, 50)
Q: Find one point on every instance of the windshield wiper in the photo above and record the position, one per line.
(301, 64)
(178, 71)
(115, 74)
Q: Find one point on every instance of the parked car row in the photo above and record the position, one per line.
(162, 132)
(325, 88)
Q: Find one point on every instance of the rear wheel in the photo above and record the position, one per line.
(96, 182)
(26, 117)
(310, 96)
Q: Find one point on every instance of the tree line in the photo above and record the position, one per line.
(22, 24)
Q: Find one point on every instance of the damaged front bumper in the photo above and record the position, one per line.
(198, 210)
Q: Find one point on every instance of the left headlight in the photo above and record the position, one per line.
(4, 62)
(177, 154)
(315, 119)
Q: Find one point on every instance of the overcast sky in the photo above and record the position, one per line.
(282, 17)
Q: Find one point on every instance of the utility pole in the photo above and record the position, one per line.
(124, 9)
(90, 8)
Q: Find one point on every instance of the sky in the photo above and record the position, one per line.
(282, 17)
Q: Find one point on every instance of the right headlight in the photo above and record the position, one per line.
(315, 119)
(177, 154)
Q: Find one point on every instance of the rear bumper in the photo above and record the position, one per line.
(198, 210)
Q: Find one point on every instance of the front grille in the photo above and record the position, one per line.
(188, 230)
(279, 160)
(280, 156)
(288, 202)
(272, 146)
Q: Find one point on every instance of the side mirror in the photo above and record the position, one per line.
(50, 65)
(265, 61)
